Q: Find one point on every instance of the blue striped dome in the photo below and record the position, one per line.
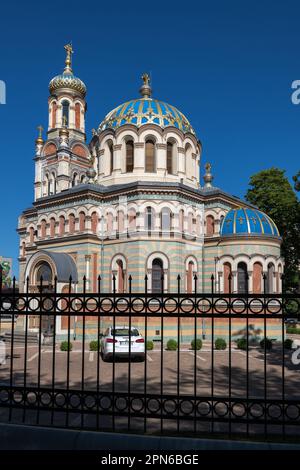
(245, 221)
(146, 111)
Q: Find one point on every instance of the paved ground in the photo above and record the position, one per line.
(180, 373)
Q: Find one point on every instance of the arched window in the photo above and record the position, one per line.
(210, 225)
(62, 224)
(52, 227)
(71, 223)
(65, 112)
(45, 272)
(170, 158)
(81, 221)
(74, 180)
(48, 183)
(157, 275)
(77, 115)
(165, 222)
(150, 156)
(257, 278)
(270, 278)
(129, 156)
(54, 109)
(31, 235)
(198, 225)
(221, 221)
(94, 222)
(43, 228)
(227, 274)
(111, 156)
(131, 220)
(242, 278)
(83, 179)
(149, 219)
(189, 280)
(53, 183)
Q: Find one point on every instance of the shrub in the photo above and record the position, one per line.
(65, 346)
(196, 344)
(293, 330)
(288, 343)
(266, 343)
(94, 345)
(172, 345)
(149, 345)
(242, 343)
(220, 344)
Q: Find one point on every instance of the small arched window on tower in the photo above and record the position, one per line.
(52, 227)
(31, 235)
(43, 228)
(65, 112)
(94, 222)
(74, 180)
(77, 115)
(62, 225)
(129, 156)
(81, 221)
(210, 225)
(149, 220)
(71, 223)
(150, 156)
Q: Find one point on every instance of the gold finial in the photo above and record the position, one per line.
(39, 139)
(208, 177)
(146, 89)
(68, 62)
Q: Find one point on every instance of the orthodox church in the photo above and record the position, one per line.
(130, 202)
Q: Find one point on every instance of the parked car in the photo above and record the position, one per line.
(115, 343)
(291, 321)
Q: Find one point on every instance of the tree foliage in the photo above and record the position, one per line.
(272, 193)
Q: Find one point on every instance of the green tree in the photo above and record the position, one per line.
(272, 193)
(296, 180)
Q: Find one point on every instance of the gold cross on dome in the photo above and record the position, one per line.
(228, 221)
(241, 220)
(253, 220)
(40, 129)
(146, 78)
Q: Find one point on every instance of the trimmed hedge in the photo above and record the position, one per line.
(293, 330)
(242, 344)
(288, 343)
(172, 345)
(196, 345)
(65, 346)
(220, 344)
(149, 345)
(94, 345)
(266, 342)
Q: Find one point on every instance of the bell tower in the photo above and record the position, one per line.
(61, 161)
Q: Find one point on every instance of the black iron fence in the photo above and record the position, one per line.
(210, 363)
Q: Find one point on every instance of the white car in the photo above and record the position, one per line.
(115, 343)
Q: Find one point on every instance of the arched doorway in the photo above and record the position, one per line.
(157, 274)
(44, 284)
(120, 276)
(227, 274)
(242, 276)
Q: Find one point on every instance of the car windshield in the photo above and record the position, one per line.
(124, 332)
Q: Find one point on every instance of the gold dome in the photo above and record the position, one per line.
(67, 79)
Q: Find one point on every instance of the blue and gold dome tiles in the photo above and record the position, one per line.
(146, 111)
(245, 221)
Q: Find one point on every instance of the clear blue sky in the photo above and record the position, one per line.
(228, 65)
